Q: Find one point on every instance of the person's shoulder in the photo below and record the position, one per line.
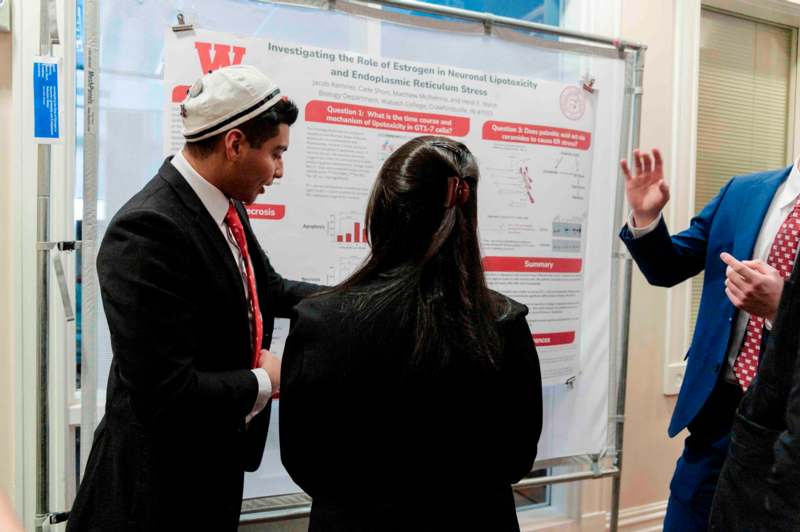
(756, 177)
(155, 197)
(151, 218)
(322, 307)
(506, 308)
(323, 319)
(155, 204)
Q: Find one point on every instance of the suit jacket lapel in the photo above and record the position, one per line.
(208, 227)
(757, 198)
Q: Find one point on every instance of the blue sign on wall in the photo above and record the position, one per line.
(45, 100)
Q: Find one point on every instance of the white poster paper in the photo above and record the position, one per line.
(533, 140)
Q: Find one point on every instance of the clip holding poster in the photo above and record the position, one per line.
(182, 25)
(588, 83)
(47, 97)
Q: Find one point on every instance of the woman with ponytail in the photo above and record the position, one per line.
(411, 393)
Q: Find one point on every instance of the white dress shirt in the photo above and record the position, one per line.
(779, 209)
(217, 204)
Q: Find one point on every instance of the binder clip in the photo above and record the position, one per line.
(588, 83)
(182, 25)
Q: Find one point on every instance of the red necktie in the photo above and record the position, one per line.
(257, 325)
(781, 257)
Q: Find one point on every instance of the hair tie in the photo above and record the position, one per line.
(457, 192)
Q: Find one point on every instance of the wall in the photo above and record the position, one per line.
(649, 455)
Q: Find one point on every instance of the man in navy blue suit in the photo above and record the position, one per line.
(730, 239)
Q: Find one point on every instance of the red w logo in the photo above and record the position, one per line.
(222, 58)
(222, 55)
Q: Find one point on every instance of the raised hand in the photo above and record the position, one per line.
(647, 192)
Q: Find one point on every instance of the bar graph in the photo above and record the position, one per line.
(357, 235)
(347, 228)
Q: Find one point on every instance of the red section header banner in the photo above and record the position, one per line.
(265, 211)
(532, 264)
(532, 134)
(553, 338)
(348, 114)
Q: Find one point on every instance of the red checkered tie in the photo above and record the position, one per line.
(781, 257)
(257, 327)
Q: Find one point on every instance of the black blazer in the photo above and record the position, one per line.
(378, 448)
(172, 448)
(759, 486)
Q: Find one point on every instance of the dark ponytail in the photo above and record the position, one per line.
(425, 269)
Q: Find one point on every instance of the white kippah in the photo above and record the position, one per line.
(225, 98)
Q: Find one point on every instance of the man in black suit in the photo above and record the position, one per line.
(190, 299)
(759, 487)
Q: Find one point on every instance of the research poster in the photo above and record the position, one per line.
(533, 140)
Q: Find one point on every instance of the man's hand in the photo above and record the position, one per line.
(272, 365)
(647, 192)
(753, 286)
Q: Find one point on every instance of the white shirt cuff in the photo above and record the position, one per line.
(639, 232)
(264, 392)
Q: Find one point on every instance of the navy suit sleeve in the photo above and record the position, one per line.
(667, 261)
(150, 301)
